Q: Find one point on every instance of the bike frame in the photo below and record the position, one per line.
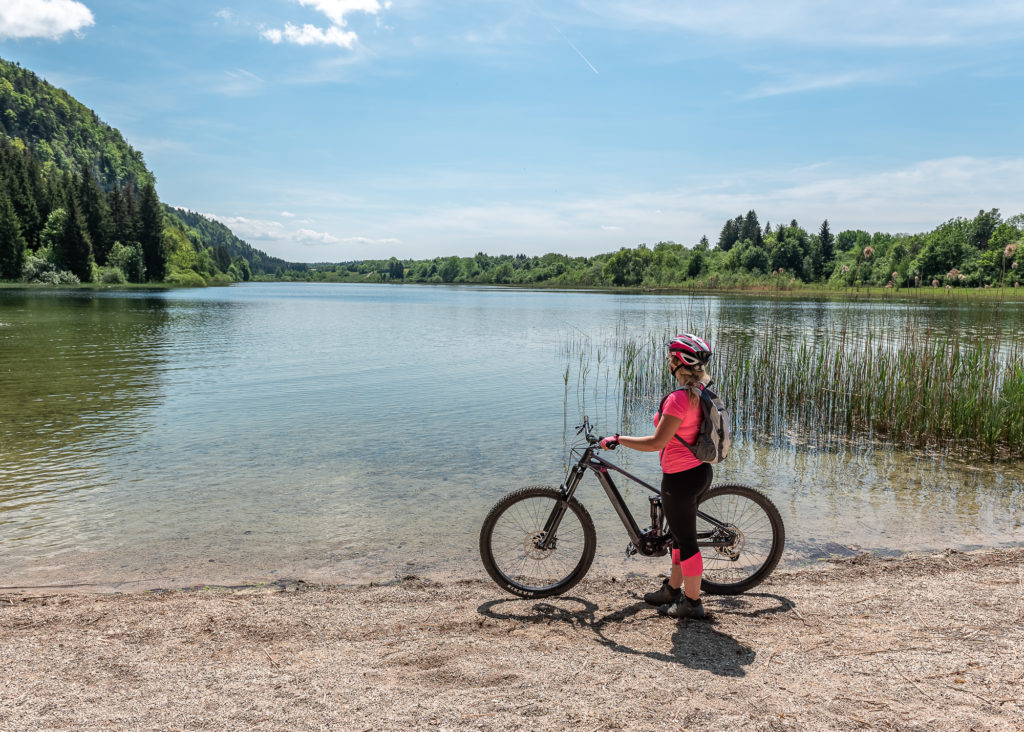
(721, 536)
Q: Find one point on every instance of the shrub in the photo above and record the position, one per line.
(110, 276)
(61, 277)
(185, 278)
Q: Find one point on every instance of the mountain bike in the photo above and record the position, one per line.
(539, 541)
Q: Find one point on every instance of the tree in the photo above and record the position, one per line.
(128, 259)
(151, 220)
(450, 269)
(729, 235)
(395, 269)
(222, 257)
(750, 229)
(75, 248)
(703, 245)
(626, 267)
(12, 243)
(983, 226)
(97, 217)
(827, 241)
(696, 263)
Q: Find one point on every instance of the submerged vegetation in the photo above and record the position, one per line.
(922, 385)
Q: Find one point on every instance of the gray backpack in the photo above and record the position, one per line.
(714, 437)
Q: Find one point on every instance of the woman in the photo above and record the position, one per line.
(685, 479)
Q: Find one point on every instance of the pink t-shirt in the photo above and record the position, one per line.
(675, 457)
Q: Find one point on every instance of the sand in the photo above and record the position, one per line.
(915, 643)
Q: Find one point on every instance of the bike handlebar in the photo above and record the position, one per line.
(591, 438)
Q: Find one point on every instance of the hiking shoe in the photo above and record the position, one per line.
(666, 594)
(684, 607)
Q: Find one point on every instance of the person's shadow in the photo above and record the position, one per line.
(695, 643)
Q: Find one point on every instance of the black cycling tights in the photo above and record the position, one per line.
(680, 494)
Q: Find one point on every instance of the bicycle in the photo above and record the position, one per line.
(540, 541)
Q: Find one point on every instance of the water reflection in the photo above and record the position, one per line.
(343, 432)
(76, 373)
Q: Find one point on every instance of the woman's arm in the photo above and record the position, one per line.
(667, 427)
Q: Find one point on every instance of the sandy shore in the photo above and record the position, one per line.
(922, 643)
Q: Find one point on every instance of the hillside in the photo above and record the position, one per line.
(77, 202)
(225, 244)
(63, 134)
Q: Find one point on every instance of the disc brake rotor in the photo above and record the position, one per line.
(733, 551)
(531, 549)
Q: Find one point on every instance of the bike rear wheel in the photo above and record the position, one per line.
(514, 527)
(759, 539)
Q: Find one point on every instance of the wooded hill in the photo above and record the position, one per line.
(77, 202)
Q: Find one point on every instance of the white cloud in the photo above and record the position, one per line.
(310, 35)
(308, 236)
(336, 34)
(43, 18)
(274, 231)
(336, 10)
(255, 229)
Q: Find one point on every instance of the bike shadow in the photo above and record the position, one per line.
(695, 644)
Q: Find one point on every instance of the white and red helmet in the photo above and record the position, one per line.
(690, 349)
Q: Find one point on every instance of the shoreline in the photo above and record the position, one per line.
(451, 570)
(930, 642)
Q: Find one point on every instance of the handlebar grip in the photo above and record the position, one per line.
(610, 442)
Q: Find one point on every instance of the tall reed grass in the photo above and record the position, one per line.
(922, 385)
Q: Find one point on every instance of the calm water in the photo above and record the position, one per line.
(353, 432)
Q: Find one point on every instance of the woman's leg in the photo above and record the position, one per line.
(680, 495)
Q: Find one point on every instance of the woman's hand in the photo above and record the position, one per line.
(609, 443)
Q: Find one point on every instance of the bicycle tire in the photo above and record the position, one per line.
(762, 538)
(507, 534)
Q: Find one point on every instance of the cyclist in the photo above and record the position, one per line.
(685, 479)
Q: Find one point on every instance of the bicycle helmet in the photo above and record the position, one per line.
(690, 349)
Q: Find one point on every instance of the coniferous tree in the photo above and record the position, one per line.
(827, 245)
(124, 214)
(75, 247)
(151, 229)
(729, 235)
(12, 243)
(750, 230)
(19, 190)
(97, 217)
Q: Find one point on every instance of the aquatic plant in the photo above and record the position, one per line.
(920, 385)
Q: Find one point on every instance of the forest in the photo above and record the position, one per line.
(78, 205)
(982, 252)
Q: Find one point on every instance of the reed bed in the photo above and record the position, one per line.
(923, 385)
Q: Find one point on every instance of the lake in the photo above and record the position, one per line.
(347, 433)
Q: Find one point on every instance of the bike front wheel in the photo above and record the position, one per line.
(513, 530)
(758, 538)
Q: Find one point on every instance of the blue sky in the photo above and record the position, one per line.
(328, 130)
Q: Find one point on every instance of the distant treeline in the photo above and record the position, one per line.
(978, 252)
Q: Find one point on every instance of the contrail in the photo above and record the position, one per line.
(585, 60)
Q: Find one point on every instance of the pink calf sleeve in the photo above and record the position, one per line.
(692, 567)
